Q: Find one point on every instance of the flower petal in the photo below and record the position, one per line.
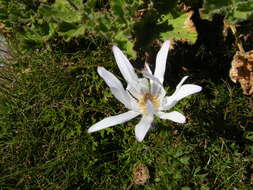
(168, 102)
(187, 90)
(157, 90)
(109, 78)
(161, 59)
(141, 87)
(173, 116)
(117, 89)
(143, 126)
(113, 120)
(125, 98)
(180, 84)
(125, 66)
(133, 91)
(147, 68)
(156, 87)
(151, 78)
(150, 107)
(181, 92)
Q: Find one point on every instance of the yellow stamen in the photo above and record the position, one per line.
(142, 102)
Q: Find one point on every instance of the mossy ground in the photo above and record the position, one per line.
(49, 100)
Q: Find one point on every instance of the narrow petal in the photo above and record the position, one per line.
(173, 116)
(187, 90)
(150, 107)
(124, 98)
(157, 89)
(124, 65)
(135, 92)
(180, 84)
(117, 89)
(181, 92)
(143, 126)
(161, 59)
(148, 68)
(113, 120)
(156, 86)
(168, 102)
(109, 78)
(134, 104)
(141, 87)
(151, 77)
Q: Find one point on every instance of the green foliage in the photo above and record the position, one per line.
(180, 31)
(34, 26)
(234, 10)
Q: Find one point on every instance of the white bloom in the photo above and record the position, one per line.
(143, 96)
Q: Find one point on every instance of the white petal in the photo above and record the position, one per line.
(150, 107)
(173, 116)
(187, 90)
(148, 68)
(116, 88)
(156, 86)
(109, 78)
(168, 102)
(162, 93)
(124, 97)
(180, 84)
(161, 61)
(135, 92)
(134, 104)
(141, 87)
(113, 120)
(157, 89)
(151, 77)
(124, 65)
(143, 126)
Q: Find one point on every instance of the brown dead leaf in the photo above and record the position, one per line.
(140, 174)
(242, 71)
(188, 24)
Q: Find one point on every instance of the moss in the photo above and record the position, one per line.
(48, 100)
(53, 99)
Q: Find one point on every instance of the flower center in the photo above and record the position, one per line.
(142, 102)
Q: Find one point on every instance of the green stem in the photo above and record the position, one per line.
(73, 5)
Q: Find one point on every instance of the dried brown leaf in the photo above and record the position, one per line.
(242, 71)
(140, 174)
(188, 24)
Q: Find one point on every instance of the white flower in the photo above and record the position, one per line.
(143, 96)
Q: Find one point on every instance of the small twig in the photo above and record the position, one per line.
(237, 39)
(3, 50)
(73, 5)
(130, 186)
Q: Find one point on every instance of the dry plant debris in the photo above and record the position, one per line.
(188, 24)
(242, 70)
(140, 174)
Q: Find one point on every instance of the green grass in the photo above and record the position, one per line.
(48, 101)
